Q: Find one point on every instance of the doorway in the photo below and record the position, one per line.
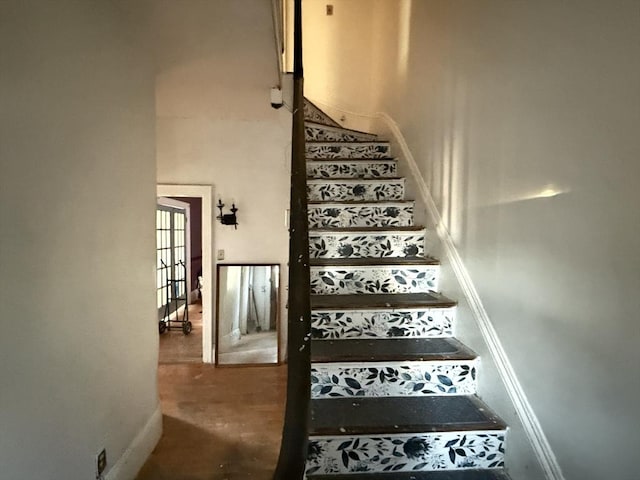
(203, 283)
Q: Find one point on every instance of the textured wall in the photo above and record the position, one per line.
(79, 342)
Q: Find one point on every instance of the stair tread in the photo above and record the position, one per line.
(466, 474)
(396, 301)
(345, 142)
(354, 180)
(360, 262)
(309, 123)
(388, 415)
(389, 229)
(389, 349)
(349, 159)
(348, 203)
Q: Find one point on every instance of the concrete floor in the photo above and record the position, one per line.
(219, 423)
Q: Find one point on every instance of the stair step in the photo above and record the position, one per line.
(467, 474)
(367, 243)
(393, 349)
(352, 168)
(377, 416)
(324, 133)
(360, 214)
(345, 189)
(337, 276)
(403, 435)
(393, 379)
(314, 114)
(413, 315)
(388, 302)
(320, 150)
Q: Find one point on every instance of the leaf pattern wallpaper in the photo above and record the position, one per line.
(366, 215)
(373, 279)
(370, 190)
(347, 150)
(410, 323)
(393, 379)
(347, 169)
(316, 133)
(406, 453)
(366, 245)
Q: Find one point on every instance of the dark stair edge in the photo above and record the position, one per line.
(346, 142)
(357, 179)
(394, 228)
(363, 202)
(389, 349)
(348, 159)
(365, 262)
(396, 301)
(480, 417)
(466, 474)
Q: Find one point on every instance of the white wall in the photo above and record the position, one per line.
(216, 64)
(501, 103)
(79, 342)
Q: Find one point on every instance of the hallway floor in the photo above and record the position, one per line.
(219, 423)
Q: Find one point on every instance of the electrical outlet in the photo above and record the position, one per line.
(101, 463)
(220, 254)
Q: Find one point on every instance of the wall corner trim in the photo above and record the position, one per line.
(133, 458)
(531, 424)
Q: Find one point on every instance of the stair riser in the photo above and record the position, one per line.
(393, 379)
(366, 245)
(406, 452)
(342, 216)
(347, 169)
(374, 279)
(355, 190)
(314, 114)
(316, 133)
(347, 150)
(381, 324)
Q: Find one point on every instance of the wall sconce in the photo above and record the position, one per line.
(228, 218)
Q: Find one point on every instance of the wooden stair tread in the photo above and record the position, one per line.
(466, 474)
(396, 301)
(349, 159)
(389, 349)
(354, 180)
(385, 261)
(345, 142)
(385, 415)
(348, 203)
(364, 230)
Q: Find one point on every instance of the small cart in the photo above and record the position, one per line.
(175, 299)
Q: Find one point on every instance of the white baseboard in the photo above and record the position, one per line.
(530, 421)
(132, 460)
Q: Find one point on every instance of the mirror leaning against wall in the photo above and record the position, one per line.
(248, 317)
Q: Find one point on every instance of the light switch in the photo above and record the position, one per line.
(220, 254)
(329, 9)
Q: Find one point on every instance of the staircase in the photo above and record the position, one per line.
(393, 392)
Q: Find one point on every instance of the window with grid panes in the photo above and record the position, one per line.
(171, 252)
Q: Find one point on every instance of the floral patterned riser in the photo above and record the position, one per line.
(365, 245)
(346, 169)
(374, 190)
(353, 150)
(406, 453)
(393, 379)
(313, 114)
(328, 134)
(374, 279)
(380, 324)
(360, 216)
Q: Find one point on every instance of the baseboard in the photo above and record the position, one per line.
(132, 460)
(531, 424)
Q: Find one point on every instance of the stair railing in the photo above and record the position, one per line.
(293, 449)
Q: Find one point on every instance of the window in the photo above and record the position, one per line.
(171, 255)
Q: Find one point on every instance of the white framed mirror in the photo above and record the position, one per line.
(247, 327)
